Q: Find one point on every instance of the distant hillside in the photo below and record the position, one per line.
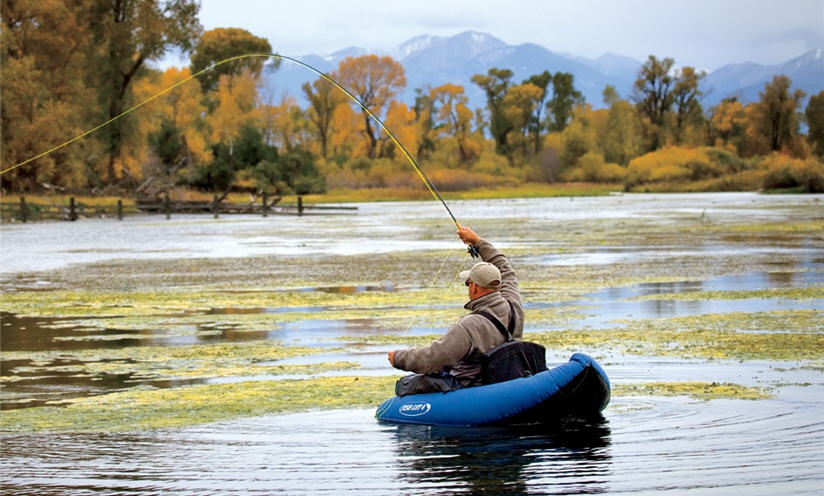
(431, 61)
(746, 80)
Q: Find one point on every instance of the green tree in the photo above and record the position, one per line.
(244, 151)
(168, 160)
(298, 169)
(686, 99)
(668, 101)
(294, 172)
(519, 106)
(219, 44)
(128, 34)
(776, 116)
(610, 95)
(653, 97)
(168, 146)
(564, 99)
(815, 121)
(425, 115)
(536, 126)
(621, 141)
(495, 84)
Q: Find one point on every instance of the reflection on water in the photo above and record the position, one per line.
(721, 447)
(594, 311)
(647, 446)
(313, 453)
(569, 458)
(616, 303)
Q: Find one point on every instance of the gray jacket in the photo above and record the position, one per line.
(459, 350)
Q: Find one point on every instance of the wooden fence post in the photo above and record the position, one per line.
(215, 206)
(265, 206)
(24, 210)
(72, 210)
(300, 205)
(119, 209)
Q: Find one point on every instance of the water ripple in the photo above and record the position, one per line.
(666, 445)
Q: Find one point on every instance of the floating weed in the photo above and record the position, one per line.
(170, 370)
(164, 408)
(812, 226)
(156, 316)
(698, 390)
(199, 300)
(810, 293)
(780, 335)
(192, 304)
(399, 341)
(175, 362)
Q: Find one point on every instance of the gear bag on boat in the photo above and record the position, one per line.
(512, 359)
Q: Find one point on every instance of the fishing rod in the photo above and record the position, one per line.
(429, 185)
(427, 182)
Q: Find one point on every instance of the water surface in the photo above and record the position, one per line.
(644, 445)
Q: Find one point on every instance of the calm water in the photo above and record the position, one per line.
(645, 445)
(387, 227)
(666, 445)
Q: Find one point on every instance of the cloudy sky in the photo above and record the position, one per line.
(705, 34)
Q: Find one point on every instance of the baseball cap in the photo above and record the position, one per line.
(484, 274)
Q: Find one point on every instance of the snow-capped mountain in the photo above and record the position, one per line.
(430, 61)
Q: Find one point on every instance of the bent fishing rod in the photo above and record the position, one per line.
(427, 182)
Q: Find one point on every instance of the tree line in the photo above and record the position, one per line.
(67, 67)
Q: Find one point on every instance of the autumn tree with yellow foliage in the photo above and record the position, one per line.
(453, 120)
(173, 130)
(375, 81)
(69, 66)
(44, 93)
(66, 68)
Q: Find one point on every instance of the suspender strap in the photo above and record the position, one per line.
(506, 332)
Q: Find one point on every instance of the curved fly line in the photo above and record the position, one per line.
(427, 182)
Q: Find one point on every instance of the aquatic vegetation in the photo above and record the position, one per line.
(809, 293)
(149, 408)
(782, 335)
(140, 365)
(196, 340)
(704, 391)
(164, 408)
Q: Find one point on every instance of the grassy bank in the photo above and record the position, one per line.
(532, 190)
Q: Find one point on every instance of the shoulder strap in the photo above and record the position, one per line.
(506, 332)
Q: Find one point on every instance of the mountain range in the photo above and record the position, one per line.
(430, 61)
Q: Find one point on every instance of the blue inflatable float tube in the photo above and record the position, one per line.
(578, 388)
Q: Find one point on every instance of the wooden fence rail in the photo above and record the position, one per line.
(24, 211)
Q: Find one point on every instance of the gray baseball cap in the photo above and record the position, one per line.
(484, 274)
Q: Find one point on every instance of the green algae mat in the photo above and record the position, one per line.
(124, 344)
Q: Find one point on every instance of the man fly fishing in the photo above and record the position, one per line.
(497, 316)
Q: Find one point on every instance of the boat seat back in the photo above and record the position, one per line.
(512, 360)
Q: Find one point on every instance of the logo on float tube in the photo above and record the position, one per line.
(415, 409)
